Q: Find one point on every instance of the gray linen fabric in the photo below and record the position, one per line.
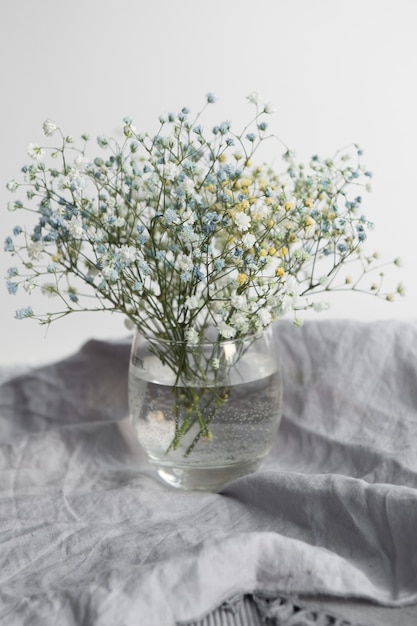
(89, 535)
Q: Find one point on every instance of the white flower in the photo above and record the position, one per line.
(291, 296)
(264, 316)
(318, 307)
(35, 151)
(242, 221)
(75, 226)
(75, 180)
(239, 302)
(12, 185)
(192, 302)
(240, 322)
(226, 331)
(248, 240)
(120, 222)
(215, 363)
(269, 108)
(128, 254)
(185, 263)
(109, 273)
(255, 98)
(49, 127)
(191, 336)
(188, 185)
(35, 250)
(80, 161)
(170, 171)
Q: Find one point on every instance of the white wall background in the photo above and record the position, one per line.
(338, 71)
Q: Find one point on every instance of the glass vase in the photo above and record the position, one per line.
(205, 413)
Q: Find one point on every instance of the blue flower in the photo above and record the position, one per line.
(22, 313)
(186, 276)
(171, 216)
(209, 222)
(12, 271)
(224, 127)
(73, 297)
(211, 98)
(11, 287)
(198, 273)
(8, 245)
(144, 267)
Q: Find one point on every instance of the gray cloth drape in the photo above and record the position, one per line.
(89, 535)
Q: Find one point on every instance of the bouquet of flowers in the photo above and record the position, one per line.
(185, 234)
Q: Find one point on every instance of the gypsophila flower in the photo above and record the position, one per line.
(269, 108)
(254, 97)
(184, 231)
(242, 221)
(75, 226)
(49, 127)
(191, 336)
(25, 312)
(12, 186)
(226, 331)
(11, 287)
(35, 151)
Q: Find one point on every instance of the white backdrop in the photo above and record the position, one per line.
(338, 71)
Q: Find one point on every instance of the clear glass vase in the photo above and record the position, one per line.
(205, 414)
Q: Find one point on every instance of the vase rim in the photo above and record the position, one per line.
(205, 341)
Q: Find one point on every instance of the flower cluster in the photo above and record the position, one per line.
(183, 233)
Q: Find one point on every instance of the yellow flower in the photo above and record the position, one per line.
(283, 251)
(272, 251)
(308, 202)
(279, 272)
(263, 252)
(221, 158)
(242, 279)
(288, 206)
